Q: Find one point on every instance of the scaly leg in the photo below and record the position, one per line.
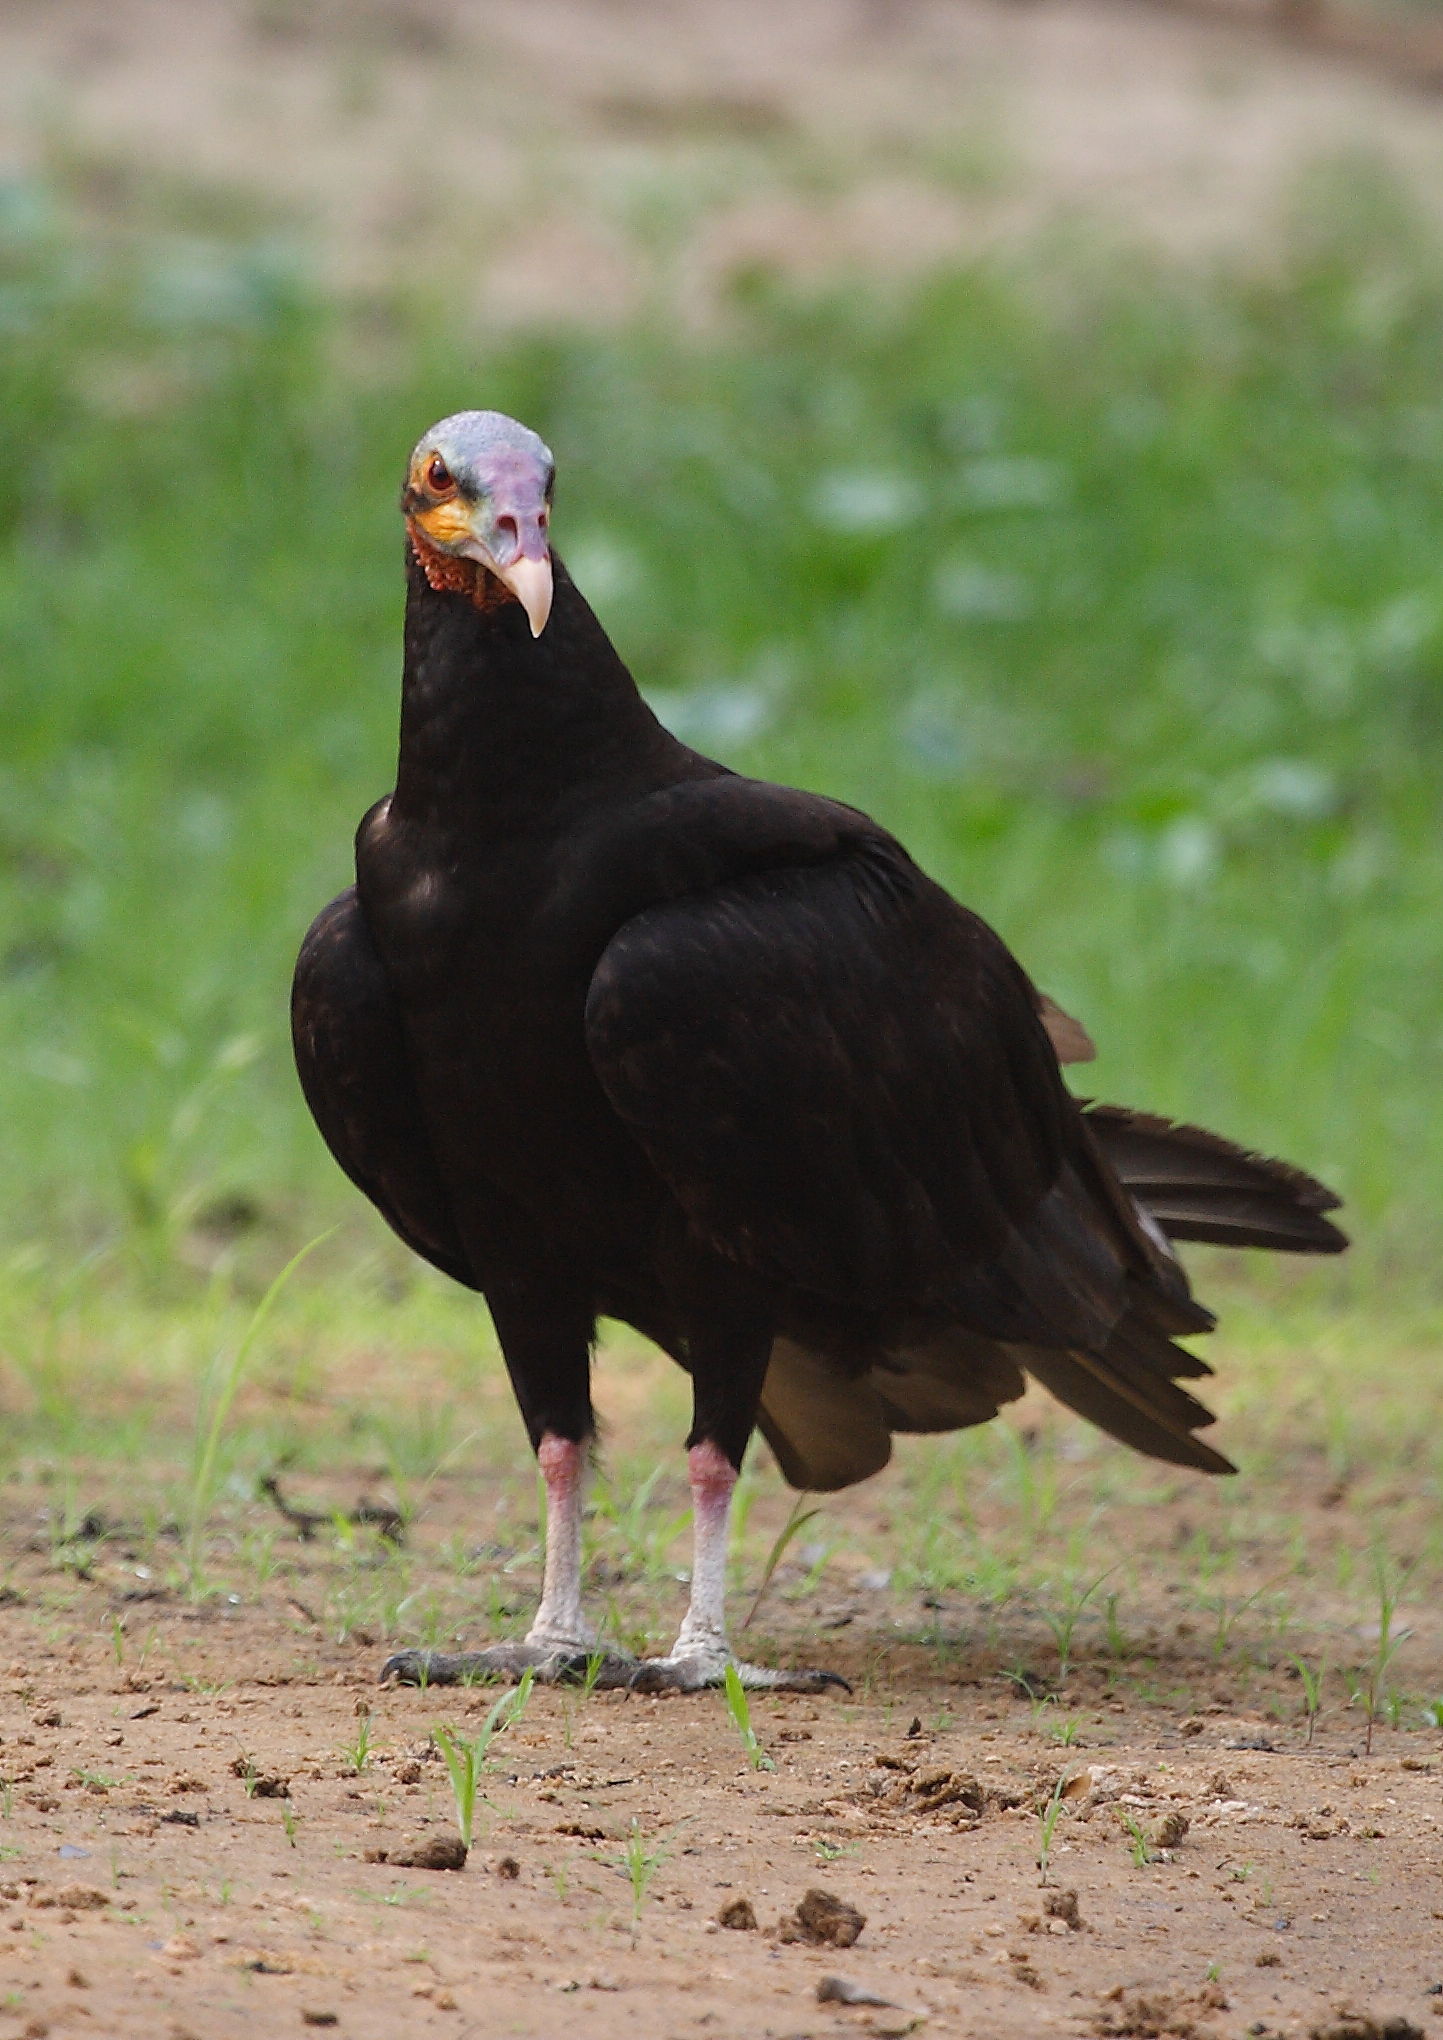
(560, 1621)
(701, 1653)
(560, 1642)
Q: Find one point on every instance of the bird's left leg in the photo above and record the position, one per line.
(725, 1406)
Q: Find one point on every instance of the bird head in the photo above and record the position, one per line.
(478, 501)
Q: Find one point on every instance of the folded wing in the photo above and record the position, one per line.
(354, 1067)
(846, 1082)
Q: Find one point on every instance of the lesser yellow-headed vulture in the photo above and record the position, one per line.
(605, 1029)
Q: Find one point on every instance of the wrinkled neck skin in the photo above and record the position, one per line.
(503, 733)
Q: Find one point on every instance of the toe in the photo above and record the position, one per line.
(466, 1667)
(788, 1679)
(695, 1674)
(673, 1675)
(550, 1666)
(811, 1681)
(409, 1668)
(616, 1668)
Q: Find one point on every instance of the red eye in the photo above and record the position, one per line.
(439, 479)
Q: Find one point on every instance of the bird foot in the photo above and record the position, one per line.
(551, 1665)
(694, 1671)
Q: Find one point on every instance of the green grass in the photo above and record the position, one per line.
(739, 1708)
(640, 1864)
(1117, 592)
(466, 1756)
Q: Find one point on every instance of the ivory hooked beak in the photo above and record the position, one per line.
(530, 582)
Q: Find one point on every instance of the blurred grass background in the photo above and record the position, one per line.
(1114, 587)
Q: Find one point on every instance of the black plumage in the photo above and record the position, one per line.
(606, 1029)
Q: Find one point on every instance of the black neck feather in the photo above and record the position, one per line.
(502, 732)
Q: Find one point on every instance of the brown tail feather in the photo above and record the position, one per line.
(1157, 1418)
(1198, 1186)
(829, 1428)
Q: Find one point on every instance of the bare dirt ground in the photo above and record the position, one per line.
(197, 1784)
(590, 158)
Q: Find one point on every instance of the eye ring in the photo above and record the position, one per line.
(439, 478)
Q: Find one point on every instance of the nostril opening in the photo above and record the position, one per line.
(508, 530)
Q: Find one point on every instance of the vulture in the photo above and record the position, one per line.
(605, 1029)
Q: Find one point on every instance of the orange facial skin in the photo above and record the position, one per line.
(446, 572)
(445, 520)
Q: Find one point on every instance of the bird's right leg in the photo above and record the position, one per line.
(561, 1622)
(548, 1354)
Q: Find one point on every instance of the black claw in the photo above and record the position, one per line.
(401, 1669)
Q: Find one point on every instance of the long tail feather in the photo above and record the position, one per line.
(1157, 1417)
(829, 1428)
(1198, 1186)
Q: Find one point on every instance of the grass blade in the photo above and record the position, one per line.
(796, 1521)
(202, 1488)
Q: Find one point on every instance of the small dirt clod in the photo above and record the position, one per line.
(427, 1852)
(73, 1897)
(260, 1784)
(1062, 1905)
(1158, 2015)
(739, 1915)
(932, 1790)
(824, 1921)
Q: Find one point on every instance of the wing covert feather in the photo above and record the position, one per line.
(841, 1074)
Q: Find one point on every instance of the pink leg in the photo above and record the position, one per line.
(560, 1622)
(701, 1654)
(704, 1631)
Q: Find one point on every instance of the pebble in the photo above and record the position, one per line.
(840, 1990)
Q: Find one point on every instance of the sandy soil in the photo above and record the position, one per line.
(149, 1884)
(584, 157)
